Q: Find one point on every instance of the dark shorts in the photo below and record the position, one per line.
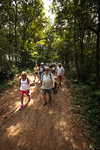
(46, 90)
(36, 73)
(53, 71)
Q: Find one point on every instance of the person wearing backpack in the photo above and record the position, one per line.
(41, 70)
(59, 72)
(24, 85)
(47, 83)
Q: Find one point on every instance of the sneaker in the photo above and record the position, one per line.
(21, 107)
(29, 98)
(45, 103)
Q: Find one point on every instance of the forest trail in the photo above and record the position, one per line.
(35, 127)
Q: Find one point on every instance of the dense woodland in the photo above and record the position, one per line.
(27, 35)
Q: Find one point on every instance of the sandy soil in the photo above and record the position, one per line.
(35, 127)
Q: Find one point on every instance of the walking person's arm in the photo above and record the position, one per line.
(63, 72)
(53, 84)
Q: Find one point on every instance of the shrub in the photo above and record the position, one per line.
(7, 71)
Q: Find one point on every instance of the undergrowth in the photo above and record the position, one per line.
(88, 100)
(7, 85)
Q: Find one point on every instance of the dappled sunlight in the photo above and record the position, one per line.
(32, 88)
(63, 89)
(2, 98)
(17, 105)
(50, 112)
(14, 130)
(30, 103)
(73, 143)
(12, 93)
(67, 133)
(17, 109)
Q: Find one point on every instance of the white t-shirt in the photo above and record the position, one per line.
(60, 71)
(24, 85)
(53, 68)
(47, 80)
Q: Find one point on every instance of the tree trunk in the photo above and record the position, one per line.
(97, 49)
(82, 74)
(97, 62)
(16, 31)
(23, 55)
(81, 46)
(76, 59)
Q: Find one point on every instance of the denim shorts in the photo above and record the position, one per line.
(46, 90)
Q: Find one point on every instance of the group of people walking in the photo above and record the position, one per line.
(45, 75)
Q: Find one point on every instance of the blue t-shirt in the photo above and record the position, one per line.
(41, 70)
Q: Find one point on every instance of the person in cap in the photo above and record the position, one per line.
(59, 72)
(47, 83)
(41, 70)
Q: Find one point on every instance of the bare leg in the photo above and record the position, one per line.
(21, 98)
(45, 98)
(38, 77)
(58, 82)
(50, 97)
(34, 77)
(29, 97)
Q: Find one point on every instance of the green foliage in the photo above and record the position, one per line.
(88, 107)
(27, 70)
(86, 89)
(71, 73)
(7, 85)
(8, 71)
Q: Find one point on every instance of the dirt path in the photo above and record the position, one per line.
(35, 127)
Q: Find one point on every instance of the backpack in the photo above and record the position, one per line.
(51, 79)
(44, 73)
